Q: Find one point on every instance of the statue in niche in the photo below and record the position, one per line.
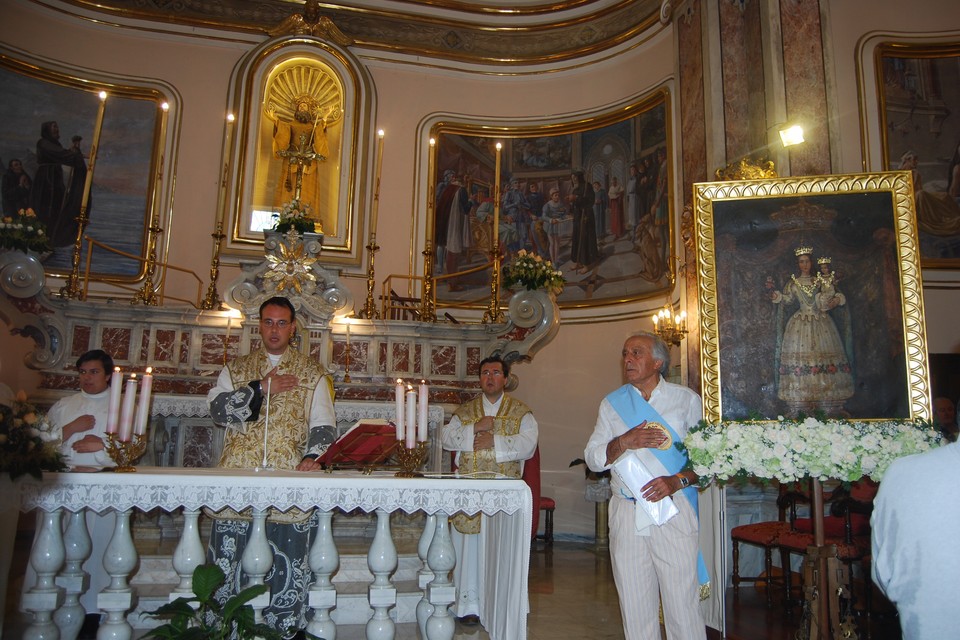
(302, 101)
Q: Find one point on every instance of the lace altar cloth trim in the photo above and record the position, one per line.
(172, 488)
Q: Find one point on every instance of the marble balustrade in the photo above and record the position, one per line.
(59, 551)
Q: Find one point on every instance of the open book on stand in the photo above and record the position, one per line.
(366, 444)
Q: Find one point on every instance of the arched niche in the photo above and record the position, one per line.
(269, 87)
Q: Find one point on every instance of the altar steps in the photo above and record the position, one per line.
(156, 578)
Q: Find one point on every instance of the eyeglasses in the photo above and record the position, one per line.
(270, 322)
(491, 372)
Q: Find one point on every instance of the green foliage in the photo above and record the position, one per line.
(209, 620)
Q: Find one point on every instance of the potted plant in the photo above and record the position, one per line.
(203, 618)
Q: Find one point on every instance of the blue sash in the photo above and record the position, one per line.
(633, 410)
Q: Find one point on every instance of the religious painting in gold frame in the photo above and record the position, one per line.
(125, 187)
(301, 107)
(630, 259)
(810, 298)
(919, 97)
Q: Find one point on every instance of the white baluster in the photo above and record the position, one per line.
(257, 560)
(74, 580)
(382, 561)
(442, 558)
(188, 555)
(119, 560)
(46, 557)
(324, 562)
(424, 576)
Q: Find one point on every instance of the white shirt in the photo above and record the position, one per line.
(456, 436)
(69, 409)
(915, 561)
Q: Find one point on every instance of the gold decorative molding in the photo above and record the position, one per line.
(468, 32)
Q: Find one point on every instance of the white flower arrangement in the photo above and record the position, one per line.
(533, 272)
(23, 232)
(790, 450)
(293, 215)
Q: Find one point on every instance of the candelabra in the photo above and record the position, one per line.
(212, 300)
(672, 328)
(428, 297)
(369, 310)
(411, 460)
(493, 314)
(126, 453)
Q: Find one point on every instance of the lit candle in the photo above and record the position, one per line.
(411, 418)
(97, 127)
(398, 393)
(376, 189)
(422, 413)
(225, 163)
(266, 423)
(496, 199)
(126, 413)
(143, 409)
(113, 412)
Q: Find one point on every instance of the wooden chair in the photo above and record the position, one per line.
(765, 535)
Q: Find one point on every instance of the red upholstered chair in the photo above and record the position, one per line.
(547, 505)
(531, 475)
(847, 527)
(765, 535)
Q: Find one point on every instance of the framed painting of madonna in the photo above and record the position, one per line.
(810, 298)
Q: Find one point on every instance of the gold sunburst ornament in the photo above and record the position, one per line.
(291, 268)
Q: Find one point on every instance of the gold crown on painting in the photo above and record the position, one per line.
(824, 260)
(802, 251)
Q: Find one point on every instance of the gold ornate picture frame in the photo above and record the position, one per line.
(631, 258)
(126, 189)
(776, 338)
(917, 91)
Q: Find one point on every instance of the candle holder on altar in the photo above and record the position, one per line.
(411, 460)
(126, 453)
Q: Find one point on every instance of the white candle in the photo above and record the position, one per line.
(398, 394)
(266, 423)
(113, 413)
(411, 419)
(376, 190)
(92, 164)
(496, 199)
(126, 414)
(143, 409)
(422, 413)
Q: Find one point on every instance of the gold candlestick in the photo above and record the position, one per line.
(147, 293)
(411, 460)
(72, 287)
(493, 313)
(126, 453)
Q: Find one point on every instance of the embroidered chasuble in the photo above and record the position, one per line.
(289, 419)
(505, 423)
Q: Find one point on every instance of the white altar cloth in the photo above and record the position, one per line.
(507, 502)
